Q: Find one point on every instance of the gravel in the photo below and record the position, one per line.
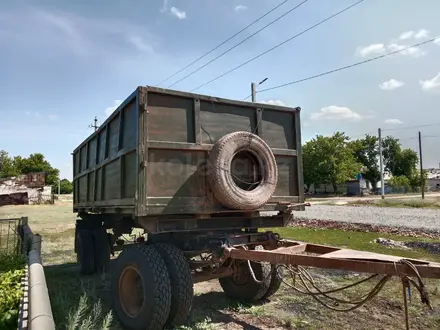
(428, 219)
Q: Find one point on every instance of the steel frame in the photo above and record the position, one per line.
(289, 252)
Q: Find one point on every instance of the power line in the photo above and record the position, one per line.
(221, 44)
(410, 127)
(275, 47)
(241, 42)
(347, 67)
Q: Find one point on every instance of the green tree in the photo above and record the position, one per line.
(7, 165)
(366, 152)
(398, 161)
(330, 159)
(66, 187)
(400, 182)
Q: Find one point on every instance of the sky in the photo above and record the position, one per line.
(64, 62)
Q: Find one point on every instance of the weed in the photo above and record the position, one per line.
(85, 317)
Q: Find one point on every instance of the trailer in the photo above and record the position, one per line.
(190, 179)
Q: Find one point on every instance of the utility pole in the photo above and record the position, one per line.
(382, 183)
(254, 92)
(59, 187)
(254, 89)
(95, 125)
(422, 179)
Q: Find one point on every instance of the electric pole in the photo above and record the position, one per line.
(95, 125)
(422, 179)
(254, 89)
(382, 182)
(254, 92)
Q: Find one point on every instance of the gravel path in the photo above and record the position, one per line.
(386, 216)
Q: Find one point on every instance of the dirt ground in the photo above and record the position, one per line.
(212, 309)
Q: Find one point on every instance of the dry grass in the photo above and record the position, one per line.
(212, 309)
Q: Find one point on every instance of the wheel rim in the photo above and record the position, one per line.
(131, 289)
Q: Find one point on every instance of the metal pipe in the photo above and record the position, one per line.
(40, 311)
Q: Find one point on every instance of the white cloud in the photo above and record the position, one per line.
(371, 49)
(109, 110)
(178, 13)
(240, 8)
(334, 112)
(414, 51)
(406, 35)
(437, 41)
(422, 34)
(393, 121)
(431, 84)
(140, 44)
(52, 117)
(391, 84)
(274, 102)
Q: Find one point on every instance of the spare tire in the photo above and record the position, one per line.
(226, 186)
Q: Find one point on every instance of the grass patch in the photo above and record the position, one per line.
(357, 241)
(428, 203)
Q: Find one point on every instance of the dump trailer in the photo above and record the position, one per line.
(182, 185)
(196, 173)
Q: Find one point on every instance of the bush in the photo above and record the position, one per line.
(11, 273)
(10, 294)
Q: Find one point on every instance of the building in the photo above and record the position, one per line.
(25, 189)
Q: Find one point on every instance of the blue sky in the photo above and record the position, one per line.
(63, 62)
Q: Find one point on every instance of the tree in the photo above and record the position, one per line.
(7, 165)
(397, 161)
(400, 182)
(330, 160)
(366, 152)
(66, 187)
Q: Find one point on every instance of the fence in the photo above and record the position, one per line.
(10, 239)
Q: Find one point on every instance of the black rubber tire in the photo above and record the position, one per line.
(102, 248)
(276, 278)
(85, 251)
(219, 175)
(156, 289)
(248, 290)
(182, 291)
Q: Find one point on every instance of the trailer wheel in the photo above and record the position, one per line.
(182, 290)
(141, 291)
(233, 191)
(242, 286)
(102, 248)
(276, 278)
(85, 251)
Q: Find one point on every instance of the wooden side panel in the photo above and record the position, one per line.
(111, 180)
(217, 120)
(287, 176)
(92, 149)
(129, 175)
(113, 138)
(176, 174)
(170, 118)
(83, 188)
(106, 163)
(278, 129)
(101, 145)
